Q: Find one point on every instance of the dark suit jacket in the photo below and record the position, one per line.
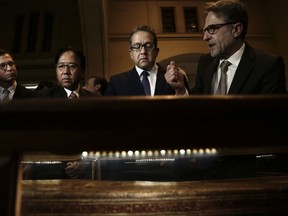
(129, 84)
(257, 73)
(22, 92)
(59, 92)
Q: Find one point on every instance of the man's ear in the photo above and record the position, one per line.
(97, 87)
(157, 51)
(238, 28)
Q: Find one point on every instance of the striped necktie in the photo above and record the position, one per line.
(222, 86)
(73, 96)
(6, 94)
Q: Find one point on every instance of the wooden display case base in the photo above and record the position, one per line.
(251, 196)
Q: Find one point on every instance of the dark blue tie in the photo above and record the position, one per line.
(145, 83)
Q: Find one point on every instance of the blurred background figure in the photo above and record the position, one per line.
(96, 84)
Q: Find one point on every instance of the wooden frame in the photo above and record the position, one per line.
(252, 124)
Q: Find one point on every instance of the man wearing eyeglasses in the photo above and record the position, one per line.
(70, 66)
(247, 70)
(9, 87)
(146, 77)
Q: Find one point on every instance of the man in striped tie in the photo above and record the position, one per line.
(70, 65)
(9, 87)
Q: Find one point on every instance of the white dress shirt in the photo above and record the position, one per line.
(11, 89)
(234, 60)
(152, 77)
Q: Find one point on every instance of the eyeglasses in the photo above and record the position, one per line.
(70, 66)
(3, 66)
(213, 29)
(147, 46)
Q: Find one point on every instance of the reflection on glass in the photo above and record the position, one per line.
(153, 165)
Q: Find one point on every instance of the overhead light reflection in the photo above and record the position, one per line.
(155, 153)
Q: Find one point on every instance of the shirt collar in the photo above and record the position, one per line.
(236, 57)
(153, 71)
(68, 92)
(11, 88)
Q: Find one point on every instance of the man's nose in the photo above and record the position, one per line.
(206, 36)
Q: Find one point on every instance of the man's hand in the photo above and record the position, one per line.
(175, 78)
(79, 169)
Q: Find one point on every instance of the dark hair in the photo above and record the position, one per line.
(230, 11)
(100, 80)
(77, 52)
(4, 52)
(145, 29)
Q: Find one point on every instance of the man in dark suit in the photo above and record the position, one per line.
(70, 66)
(9, 88)
(257, 73)
(249, 71)
(143, 52)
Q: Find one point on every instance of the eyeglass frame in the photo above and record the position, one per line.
(213, 29)
(70, 66)
(132, 47)
(3, 66)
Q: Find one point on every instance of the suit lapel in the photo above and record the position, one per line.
(208, 77)
(60, 92)
(136, 85)
(243, 70)
(17, 91)
(160, 81)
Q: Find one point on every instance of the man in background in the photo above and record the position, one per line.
(9, 87)
(97, 85)
(70, 66)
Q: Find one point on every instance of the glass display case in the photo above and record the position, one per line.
(145, 156)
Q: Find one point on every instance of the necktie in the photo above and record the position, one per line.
(145, 83)
(222, 87)
(72, 96)
(6, 94)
